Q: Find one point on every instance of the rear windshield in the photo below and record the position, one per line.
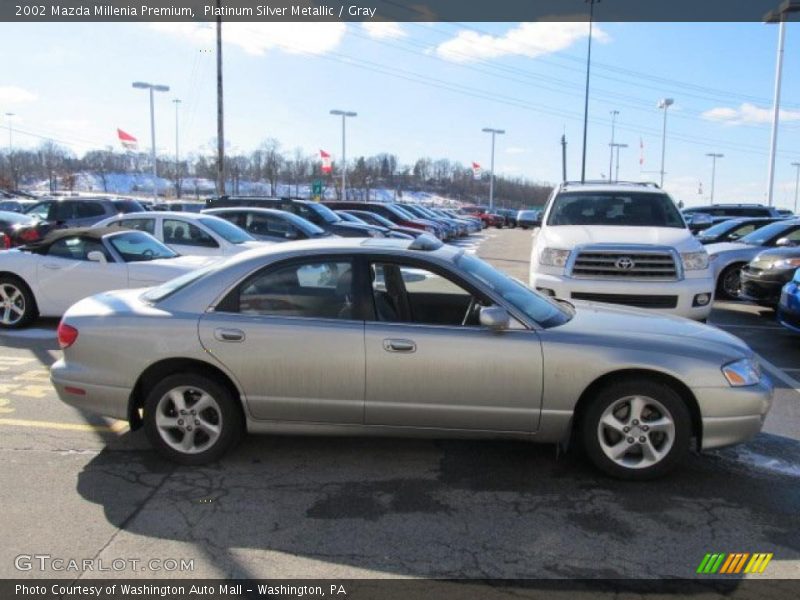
(630, 209)
(127, 206)
(759, 237)
(227, 230)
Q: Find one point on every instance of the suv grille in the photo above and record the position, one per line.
(619, 264)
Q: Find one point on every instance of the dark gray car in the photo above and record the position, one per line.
(81, 211)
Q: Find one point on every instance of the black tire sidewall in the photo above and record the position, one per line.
(721, 282)
(644, 387)
(30, 302)
(232, 418)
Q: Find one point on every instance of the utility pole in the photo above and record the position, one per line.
(796, 184)
(586, 95)
(564, 157)
(614, 114)
(664, 104)
(714, 157)
(494, 133)
(177, 102)
(220, 112)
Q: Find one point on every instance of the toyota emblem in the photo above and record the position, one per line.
(625, 263)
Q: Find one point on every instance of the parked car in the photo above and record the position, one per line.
(730, 230)
(81, 211)
(622, 243)
(19, 229)
(474, 223)
(789, 304)
(697, 222)
(509, 216)
(529, 218)
(188, 233)
(448, 225)
(180, 206)
(46, 277)
(16, 204)
(387, 231)
(375, 219)
(764, 276)
(423, 338)
(269, 224)
(728, 258)
(393, 212)
(482, 212)
(734, 210)
(316, 212)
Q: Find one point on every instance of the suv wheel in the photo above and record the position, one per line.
(636, 429)
(191, 419)
(17, 304)
(729, 284)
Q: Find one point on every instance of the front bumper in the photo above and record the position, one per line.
(789, 307)
(671, 297)
(763, 290)
(732, 415)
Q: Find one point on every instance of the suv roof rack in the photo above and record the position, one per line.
(650, 184)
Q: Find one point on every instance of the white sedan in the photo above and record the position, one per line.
(189, 233)
(47, 277)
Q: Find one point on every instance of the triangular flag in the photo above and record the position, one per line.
(127, 140)
(326, 161)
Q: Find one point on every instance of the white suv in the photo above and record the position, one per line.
(621, 243)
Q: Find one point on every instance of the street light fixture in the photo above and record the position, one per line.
(141, 85)
(664, 103)
(344, 114)
(777, 15)
(494, 132)
(714, 156)
(796, 184)
(616, 147)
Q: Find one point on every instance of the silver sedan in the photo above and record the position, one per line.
(390, 337)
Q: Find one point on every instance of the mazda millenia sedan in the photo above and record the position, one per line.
(394, 337)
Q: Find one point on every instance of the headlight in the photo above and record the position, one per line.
(551, 257)
(787, 263)
(742, 372)
(694, 261)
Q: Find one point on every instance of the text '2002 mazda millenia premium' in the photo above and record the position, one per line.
(393, 337)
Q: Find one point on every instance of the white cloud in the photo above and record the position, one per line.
(527, 39)
(11, 94)
(258, 38)
(747, 113)
(380, 30)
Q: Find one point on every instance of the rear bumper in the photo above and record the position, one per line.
(731, 415)
(109, 401)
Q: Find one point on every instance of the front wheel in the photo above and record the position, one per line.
(729, 284)
(17, 304)
(191, 419)
(637, 429)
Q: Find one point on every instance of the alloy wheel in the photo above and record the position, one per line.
(12, 304)
(188, 419)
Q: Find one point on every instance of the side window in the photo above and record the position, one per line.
(186, 234)
(86, 210)
(309, 215)
(148, 225)
(40, 210)
(62, 211)
(406, 294)
(740, 231)
(794, 236)
(75, 248)
(321, 290)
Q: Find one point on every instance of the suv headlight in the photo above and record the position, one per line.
(694, 261)
(787, 263)
(742, 372)
(552, 257)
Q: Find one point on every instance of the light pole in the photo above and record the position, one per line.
(494, 132)
(616, 147)
(152, 87)
(344, 114)
(664, 103)
(614, 114)
(714, 156)
(796, 184)
(177, 102)
(777, 15)
(586, 94)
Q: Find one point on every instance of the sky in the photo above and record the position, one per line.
(426, 90)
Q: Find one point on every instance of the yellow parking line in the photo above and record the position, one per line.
(117, 427)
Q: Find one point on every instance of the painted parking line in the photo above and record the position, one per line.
(118, 427)
(779, 373)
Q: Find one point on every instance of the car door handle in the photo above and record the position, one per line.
(394, 345)
(51, 266)
(229, 335)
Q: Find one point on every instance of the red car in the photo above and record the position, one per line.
(488, 219)
(17, 229)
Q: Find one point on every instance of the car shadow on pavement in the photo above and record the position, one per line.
(310, 507)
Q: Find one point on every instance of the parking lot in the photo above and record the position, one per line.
(80, 487)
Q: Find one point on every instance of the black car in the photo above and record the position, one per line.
(269, 224)
(319, 214)
(387, 231)
(81, 211)
(394, 212)
(730, 230)
(372, 218)
(20, 229)
(735, 210)
(765, 275)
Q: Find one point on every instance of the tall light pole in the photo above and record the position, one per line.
(714, 156)
(220, 112)
(614, 114)
(177, 102)
(494, 133)
(664, 103)
(153, 87)
(344, 114)
(777, 15)
(613, 148)
(796, 184)
(586, 94)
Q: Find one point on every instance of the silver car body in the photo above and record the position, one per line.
(335, 376)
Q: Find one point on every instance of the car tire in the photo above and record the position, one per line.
(657, 420)
(199, 435)
(17, 304)
(729, 282)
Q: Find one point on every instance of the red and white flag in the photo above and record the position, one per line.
(476, 170)
(127, 140)
(326, 161)
(641, 151)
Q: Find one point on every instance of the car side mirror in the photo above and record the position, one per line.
(495, 318)
(290, 235)
(784, 243)
(97, 256)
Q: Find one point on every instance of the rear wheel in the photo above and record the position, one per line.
(636, 429)
(191, 419)
(17, 304)
(729, 284)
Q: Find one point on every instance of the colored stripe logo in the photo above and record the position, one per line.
(734, 563)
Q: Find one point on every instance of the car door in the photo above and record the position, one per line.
(186, 238)
(65, 274)
(431, 364)
(290, 336)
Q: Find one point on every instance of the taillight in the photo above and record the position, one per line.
(6, 241)
(66, 335)
(29, 235)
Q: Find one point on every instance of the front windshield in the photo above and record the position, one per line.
(718, 229)
(323, 211)
(137, 246)
(543, 310)
(168, 288)
(631, 209)
(227, 230)
(760, 237)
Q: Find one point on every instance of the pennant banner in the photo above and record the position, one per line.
(326, 161)
(127, 140)
(476, 170)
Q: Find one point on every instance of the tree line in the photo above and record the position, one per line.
(269, 165)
